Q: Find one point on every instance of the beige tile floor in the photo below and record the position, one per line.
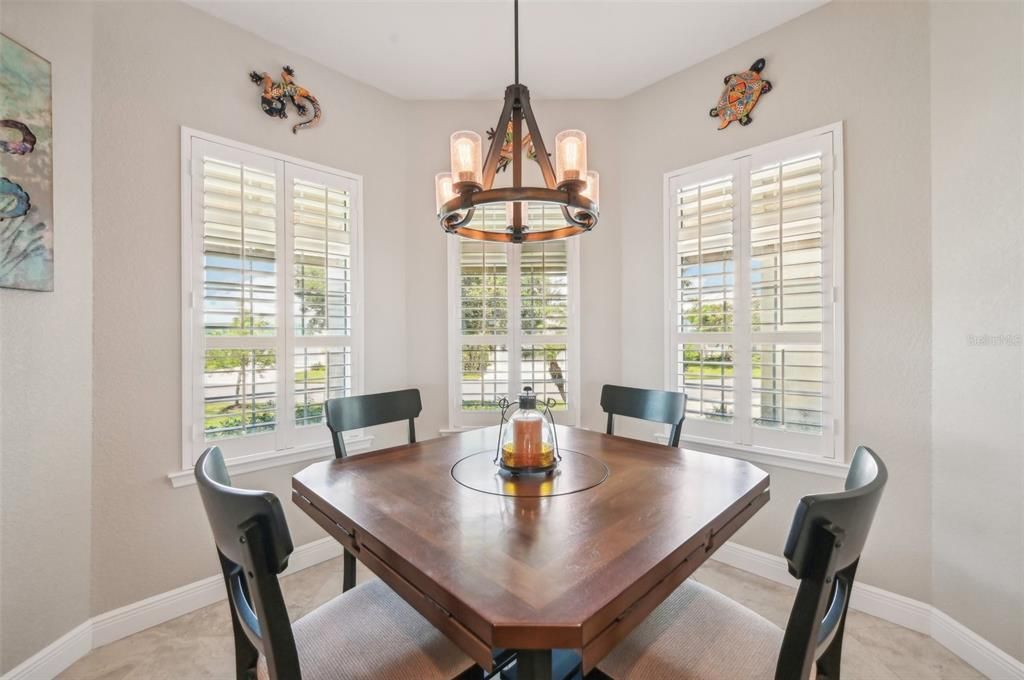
(198, 645)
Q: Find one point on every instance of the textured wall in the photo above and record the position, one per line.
(46, 366)
(159, 66)
(977, 51)
(860, 63)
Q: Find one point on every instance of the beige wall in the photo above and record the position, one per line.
(159, 66)
(977, 173)
(431, 123)
(46, 367)
(860, 63)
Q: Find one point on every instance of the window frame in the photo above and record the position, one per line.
(460, 420)
(289, 442)
(737, 438)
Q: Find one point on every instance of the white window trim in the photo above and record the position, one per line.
(191, 288)
(831, 465)
(458, 424)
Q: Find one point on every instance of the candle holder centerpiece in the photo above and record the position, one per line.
(527, 443)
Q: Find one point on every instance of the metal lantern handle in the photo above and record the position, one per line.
(554, 430)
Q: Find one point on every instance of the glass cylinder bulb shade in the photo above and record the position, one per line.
(570, 156)
(467, 157)
(592, 189)
(443, 189)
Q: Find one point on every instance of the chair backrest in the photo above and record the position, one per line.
(657, 406)
(253, 544)
(823, 549)
(367, 410)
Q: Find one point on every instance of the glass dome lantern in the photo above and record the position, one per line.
(527, 442)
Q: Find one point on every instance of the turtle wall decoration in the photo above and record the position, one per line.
(740, 96)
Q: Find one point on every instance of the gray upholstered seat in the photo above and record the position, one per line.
(370, 632)
(697, 634)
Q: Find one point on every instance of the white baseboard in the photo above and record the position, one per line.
(128, 620)
(975, 650)
(56, 656)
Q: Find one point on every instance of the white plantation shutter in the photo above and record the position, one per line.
(511, 310)
(705, 288)
(322, 244)
(270, 296)
(755, 329)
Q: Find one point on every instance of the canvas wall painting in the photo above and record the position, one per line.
(26, 169)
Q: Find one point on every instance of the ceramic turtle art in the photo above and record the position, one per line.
(742, 90)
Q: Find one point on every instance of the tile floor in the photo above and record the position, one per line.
(198, 645)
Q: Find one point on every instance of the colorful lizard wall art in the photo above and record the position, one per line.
(275, 93)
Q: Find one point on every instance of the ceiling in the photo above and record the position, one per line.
(572, 49)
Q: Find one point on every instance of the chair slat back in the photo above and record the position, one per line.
(253, 545)
(657, 406)
(823, 550)
(366, 410)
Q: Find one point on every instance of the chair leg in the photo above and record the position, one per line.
(829, 663)
(348, 577)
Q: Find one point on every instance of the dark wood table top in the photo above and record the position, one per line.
(577, 571)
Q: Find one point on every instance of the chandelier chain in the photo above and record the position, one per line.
(515, 12)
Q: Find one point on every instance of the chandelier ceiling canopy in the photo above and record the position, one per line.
(470, 184)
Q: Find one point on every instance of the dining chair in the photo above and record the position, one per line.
(656, 406)
(366, 410)
(368, 632)
(700, 634)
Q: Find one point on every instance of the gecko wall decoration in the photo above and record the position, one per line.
(275, 93)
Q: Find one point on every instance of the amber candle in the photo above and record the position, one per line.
(527, 442)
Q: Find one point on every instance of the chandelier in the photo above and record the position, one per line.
(470, 184)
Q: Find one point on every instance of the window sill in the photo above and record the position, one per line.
(271, 459)
(772, 457)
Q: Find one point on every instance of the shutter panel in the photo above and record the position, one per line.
(788, 300)
(705, 290)
(239, 249)
(322, 252)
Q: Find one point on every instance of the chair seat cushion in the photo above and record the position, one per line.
(697, 634)
(370, 632)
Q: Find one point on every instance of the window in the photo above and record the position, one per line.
(755, 290)
(512, 322)
(271, 298)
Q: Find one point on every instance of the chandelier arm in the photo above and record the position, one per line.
(584, 218)
(452, 222)
(494, 153)
(538, 141)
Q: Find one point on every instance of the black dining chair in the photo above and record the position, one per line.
(700, 634)
(656, 406)
(368, 632)
(366, 410)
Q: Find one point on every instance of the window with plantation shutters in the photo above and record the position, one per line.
(511, 317)
(755, 291)
(271, 292)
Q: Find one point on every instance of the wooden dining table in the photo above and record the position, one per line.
(494, 569)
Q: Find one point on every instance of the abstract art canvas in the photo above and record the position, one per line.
(26, 169)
